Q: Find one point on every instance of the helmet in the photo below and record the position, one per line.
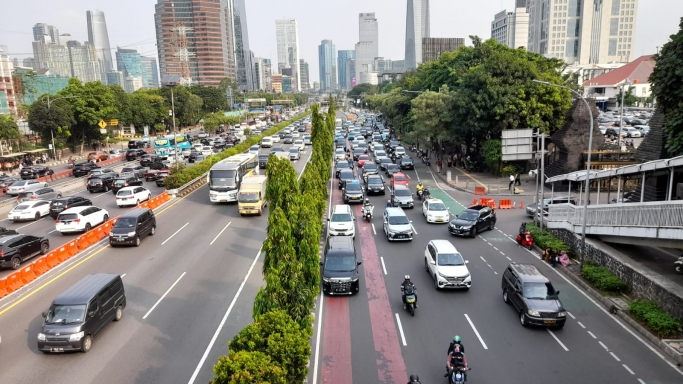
(407, 277)
(419, 183)
(456, 338)
(414, 377)
(367, 201)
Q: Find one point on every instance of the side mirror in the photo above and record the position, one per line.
(557, 293)
(91, 314)
(343, 189)
(359, 262)
(44, 314)
(433, 262)
(467, 261)
(328, 219)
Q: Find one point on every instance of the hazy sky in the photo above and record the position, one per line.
(131, 23)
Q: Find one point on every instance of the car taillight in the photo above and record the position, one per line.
(56, 221)
(2, 252)
(33, 197)
(77, 221)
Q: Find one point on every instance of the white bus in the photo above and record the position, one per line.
(225, 178)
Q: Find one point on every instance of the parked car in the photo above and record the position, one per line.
(39, 194)
(128, 196)
(98, 156)
(35, 171)
(24, 186)
(533, 296)
(80, 219)
(82, 169)
(29, 210)
(15, 249)
(60, 205)
(472, 221)
(123, 182)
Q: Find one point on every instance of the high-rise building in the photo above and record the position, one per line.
(399, 65)
(129, 62)
(51, 56)
(367, 47)
(8, 102)
(512, 28)
(305, 75)
(582, 32)
(98, 37)
(417, 28)
(29, 85)
(343, 76)
(287, 83)
(243, 56)
(351, 80)
(85, 65)
(132, 83)
(287, 35)
(42, 29)
(263, 74)
(277, 82)
(152, 72)
(316, 86)
(433, 47)
(327, 64)
(381, 64)
(115, 77)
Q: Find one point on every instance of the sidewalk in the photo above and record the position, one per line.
(495, 186)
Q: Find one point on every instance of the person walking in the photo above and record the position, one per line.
(450, 160)
(512, 181)
(517, 180)
(438, 166)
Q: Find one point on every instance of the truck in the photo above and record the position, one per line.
(252, 196)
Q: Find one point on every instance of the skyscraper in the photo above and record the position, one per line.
(99, 39)
(305, 75)
(8, 102)
(433, 47)
(512, 28)
(327, 64)
(130, 63)
(243, 61)
(595, 32)
(151, 71)
(85, 65)
(343, 76)
(417, 28)
(262, 74)
(42, 29)
(287, 35)
(351, 80)
(367, 47)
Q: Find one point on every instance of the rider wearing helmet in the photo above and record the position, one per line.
(419, 186)
(425, 194)
(414, 379)
(456, 342)
(456, 359)
(408, 285)
(366, 205)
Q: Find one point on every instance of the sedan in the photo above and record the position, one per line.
(380, 155)
(363, 159)
(384, 162)
(29, 210)
(400, 179)
(406, 163)
(123, 182)
(137, 170)
(392, 169)
(35, 171)
(102, 172)
(39, 194)
(299, 144)
(132, 196)
(6, 182)
(435, 211)
(15, 249)
(275, 138)
(294, 153)
(24, 186)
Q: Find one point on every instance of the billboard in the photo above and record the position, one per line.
(517, 144)
(353, 82)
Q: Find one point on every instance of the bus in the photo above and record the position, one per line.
(225, 178)
(163, 146)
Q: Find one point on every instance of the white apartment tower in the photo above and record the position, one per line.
(287, 35)
(583, 31)
(417, 27)
(512, 28)
(367, 47)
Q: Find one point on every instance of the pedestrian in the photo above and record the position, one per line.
(438, 166)
(564, 259)
(517, 180)
(547, 255)
(450, 161)
(512, 181)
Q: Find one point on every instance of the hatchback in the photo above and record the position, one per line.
(446, 265)
(80, 219)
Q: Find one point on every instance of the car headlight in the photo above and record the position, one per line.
(442, 275)
(467, 227)
(533, 313)
(354, 279)
(327, 280)
(76, 336)
(41, 337)
(131, 234)
(562, 314)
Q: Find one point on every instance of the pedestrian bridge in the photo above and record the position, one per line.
(660, 222)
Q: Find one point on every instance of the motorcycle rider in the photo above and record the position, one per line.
(457, 342)
(420, 187)
(425, 194)
(408, 285)
(414, 379)
(389, 204)
(367, 207)
(457, 359)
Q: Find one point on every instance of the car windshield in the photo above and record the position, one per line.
(125, 222)
(353, 187)
(392, 167)
(248, 197)
(450, 259)
(22, 207)
(468, 216)
(437, 207)
(340, 264)
(340, 217)
(345, 175)
(67, 216)
(385, 160)
(358, 151)
(539, 291)
(403, 192)
(407, 160)
(369, 167)
(278, 149)
(293, 150)
(124, 192)
(374, 180)
(399, 178)
(393, 143)
(65, 314)
(343, 164)
(120, 181)
(399, 220)
(380, 154)
(20, 183)
(225, 178)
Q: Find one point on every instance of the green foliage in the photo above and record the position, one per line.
(512, 169)
(667, 88)
(658, 321)
(546, 240)
(629, 98)
(57, 120)
(492, 155)
(247, 367)
(601, 278)
(361, 90)
(214, 99)
(91, 103)
(8, 128)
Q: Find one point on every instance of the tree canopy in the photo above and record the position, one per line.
(8, 128)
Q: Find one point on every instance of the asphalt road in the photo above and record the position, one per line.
(369, 337)
(190, 289)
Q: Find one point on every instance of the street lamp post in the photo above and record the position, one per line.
(588, 164)
(172, 81)
(621, 115)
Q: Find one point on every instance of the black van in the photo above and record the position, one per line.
(81, 312)
(533, 296)
(132, 226)
(340, 267)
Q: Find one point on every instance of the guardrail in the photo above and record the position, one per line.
(191, 186)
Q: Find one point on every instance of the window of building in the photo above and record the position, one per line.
(612, 49)
(613, 26)
(615, 7)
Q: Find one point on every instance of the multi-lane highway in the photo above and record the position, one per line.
(190, 289)
(370, 338)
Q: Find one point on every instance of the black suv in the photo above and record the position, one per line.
(344, 175)
(15, 249)
(135, 144)
(132, 226)
(102, 183)
(375, 184)
(64, 203)
(35, 171)
(102, 172)
(83, 169)
(133, 154)
(339, 165)
(122, 182)
(340, 267)
(533, 296)
(406, 163)
(147, 159)
(263, 160)
(473, 220)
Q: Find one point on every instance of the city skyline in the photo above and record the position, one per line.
(447, 20)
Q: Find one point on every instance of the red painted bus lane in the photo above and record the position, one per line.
(337, 342)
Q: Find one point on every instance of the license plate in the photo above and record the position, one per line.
(340, 290)
(400, 236)
(548, 321)
(224, 201)
(119, 239)
(439, 220)
(410, 299)
(56, 349)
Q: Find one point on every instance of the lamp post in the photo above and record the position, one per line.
(588, 163)
(172, 81)
(621, 115)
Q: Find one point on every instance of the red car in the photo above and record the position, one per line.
(400, 179)
(362, 159)
(98, 156)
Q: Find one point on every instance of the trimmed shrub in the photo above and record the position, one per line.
(546, 240)
(247, 367)
(659, 322)
(601, 278)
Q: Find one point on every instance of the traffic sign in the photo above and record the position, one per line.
(170, 112)
(113, 122)
(102, 124)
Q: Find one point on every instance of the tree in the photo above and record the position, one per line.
(123, 104)
(282, 189)
(9, 130)
(361, 89)
(246, 367)
(431, 115)
(149, 108)
(214, 98)
(55, 120)
(188, 106)
(629, 98)
(91, 102)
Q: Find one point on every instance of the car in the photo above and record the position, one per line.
(137, 170)
(339, 166)
(102, 183)
(384, 162)
(82, 169)
(15, 249)
(357, 153)
(308, 139)
(24, 186)
(80, 219)
(39, 194)
(532, 209)
(435, 211)
(60, 205)
(193, 156)
(340, 267)
(98, 156)
(472, 221)
(294, 154)
(369, 168)
(116, 153)
(295, 134)
(277, 149)
(392, 169)
(352, 192)
(632, 132)
(161, 176)
(533, 296)
(399, 179)
(6, 182)
(275, 138)
(406, 163)
(147, 159)
(401, 196)
(398, 153)
(207, 150)
(396, 225)
(363, 159)
(375, 184)
(446, 266)
(341, 221)
(128, 196)
(102, 172)
(133, 154)
(288, 139)
(35, 171)
(29, 210)
(136, 144)
(266, 142)
(202, 134)
(344, 175)
(339, 154)
(152, 174)
(123, 182)
(299, 144)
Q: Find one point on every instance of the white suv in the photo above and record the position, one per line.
(132, 196)
(341, 221)
(81, 219)
(446, 265)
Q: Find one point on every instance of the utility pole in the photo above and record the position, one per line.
(542, 178)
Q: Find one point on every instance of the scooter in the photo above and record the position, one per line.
(410, 301)
(526, 240)
(457, 375)
(678, 265)
(367, 213)
(420, 192)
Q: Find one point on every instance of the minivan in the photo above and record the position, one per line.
(340, 267)
(397, 226)
(533, 296)
(132, 226)
(341, 221)
(81, 312)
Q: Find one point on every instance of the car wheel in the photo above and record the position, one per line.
(87, 344)
(153, 230)
(436, 283)
(106, 189)
(522, 319)
(426, 266)
(474, 231)
(15, 262)
(88, 227)
(44, 249)
(506, 299)
(106, 218)
(137, 241)
(37, 217)
(119, 313)
(493, 226)
(137, 202)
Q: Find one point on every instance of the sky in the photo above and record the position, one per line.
(131, 23)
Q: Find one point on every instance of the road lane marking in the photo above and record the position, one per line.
(162, 296)
(384, 267)
(558, 340)
(615, 357)
(508, 258)
(604, 346)
(641, 381)
(482, 258)
(400, 329)
(225, 318)
(317, 341)
(101, 194)
(54, 230)
(494, 247)
(570, 314)
(176, 232)
(373, 229)
(220, 233)
(592, 335)
(31, 223)
(483, 344)
(411, 226)
(630, 371)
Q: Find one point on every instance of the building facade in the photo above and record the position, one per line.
(287, 36)
(42, 29)
(417, 28)
(30, 85)
(243, 55)
(582, 32)
(327, 64)
(433, 47)
(98, 37)
(512, 28)
(263, 74)
(342, 76)
(49, 56)
(115, 77)
(351, 80)
(367, 47)
(305, 75)
(277, 82)
(381, 64)
(151, 72)
(84, 62)
(287, 84)
(8, 101)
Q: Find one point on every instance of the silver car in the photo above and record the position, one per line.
(47, 194)
(25, 186)
(402, 197)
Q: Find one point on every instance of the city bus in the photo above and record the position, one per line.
(225, 178)
(164, 146)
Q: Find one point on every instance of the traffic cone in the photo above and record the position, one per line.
(474, 202)
(514, 204)
(521, 204)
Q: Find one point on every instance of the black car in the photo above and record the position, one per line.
(6, 182)
(406, 163)
(277, 149)
(101, 183)
(392, 169)
(136, 144)
(122, 182)
(82, 169)
(161, 176)
(352, 192)
(137, 170)
(35, 171)
(15, 249)
(4, 231)
(384, 163)
(147, 159)
(263, 160)
(344, 175)
(375, 184)
(370, 168)
(473, 220)
(133, 154)
(157, 164)
(533, 296)
(281, 134)
(193, 156)
(340, 267)
(339, 166)
(357, 152)
(62, 204)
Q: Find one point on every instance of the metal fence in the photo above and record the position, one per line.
(659, 214)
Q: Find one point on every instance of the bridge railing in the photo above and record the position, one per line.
(658, 214)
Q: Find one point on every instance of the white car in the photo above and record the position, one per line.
(24, 186)
(299, 144)
(80, 219)
(294, 153)
(127, 196)
(342, 221)
(266, 142)
(446, 265)
(435, 211)
(275, 138)
(202, 135)
(254, 150)
(307, 139)
(29, 210)
(632, 132)
(295, 133)
(339, 155)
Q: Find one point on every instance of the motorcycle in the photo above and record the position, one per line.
(420, 192)
(71, 164)
(456, 375)
(426, 161)
(367, 213)
(411, 299)
(678, 265)
(525, 240)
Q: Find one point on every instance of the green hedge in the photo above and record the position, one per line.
(601, 278)
(184, 176)
(545, 240)
(654, 318)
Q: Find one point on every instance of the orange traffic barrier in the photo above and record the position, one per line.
(62, 253)
(106, 227)
(144, 204)
(479, 190)
(52, 259)
(83, 242)
(521, 204)
(40, 266)
(72, 248)
(3, 288)
(92, 236)
(14, 281)
(505, 204)
(99, 233)
(153, 203)
(474, 202)
(27, 274)
(488, 202)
